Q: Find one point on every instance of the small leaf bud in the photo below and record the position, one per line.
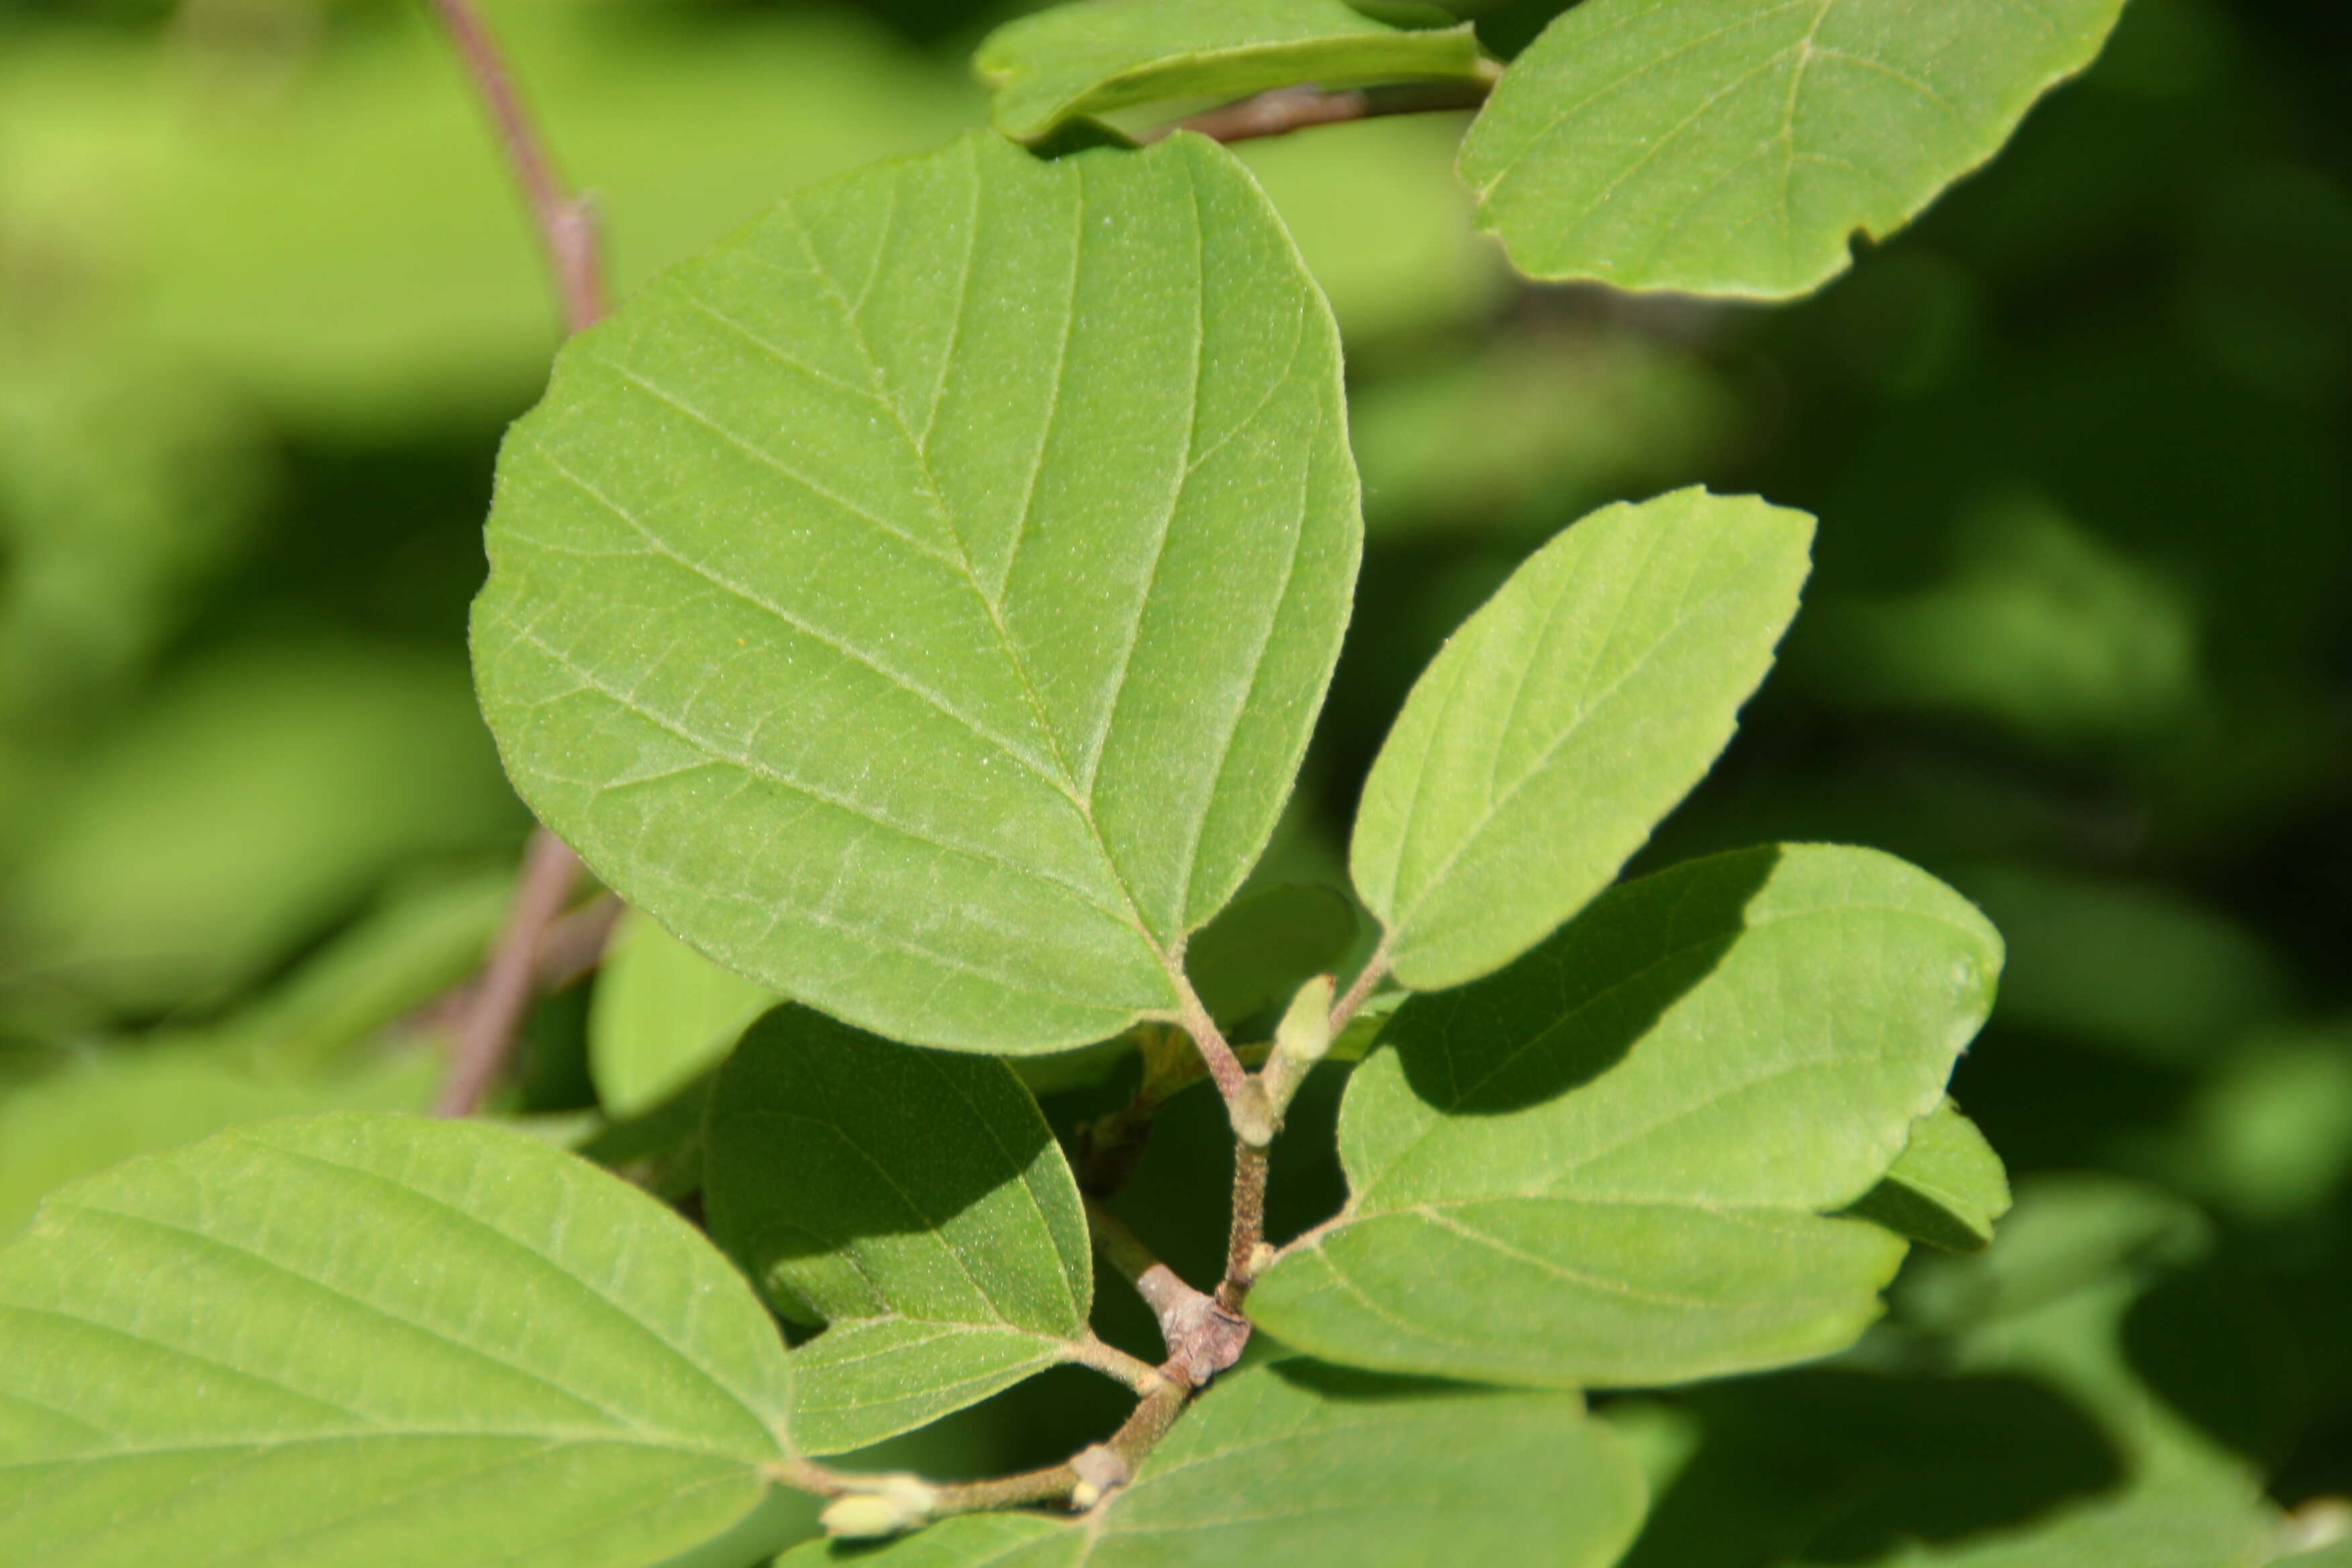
(1305, 1032)
(885, 1506)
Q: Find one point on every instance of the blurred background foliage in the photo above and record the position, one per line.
(2079, 639)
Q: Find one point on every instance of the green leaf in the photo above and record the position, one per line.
(914, 1200)
(106, 1106)
(2146, 1527)
(920, 602)
(2337, 1556)
(1564, 719)
(305, 1046)
(662, 1016)
(1727, 147)
(1607, 1165)
(1947, 1189)
(363, 1340)
(1104, 55)
(1299, 1464)
(1261, 949)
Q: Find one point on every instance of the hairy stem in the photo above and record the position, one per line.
(1368, 979)
(1077, 1482)
(1288, 109)
(1114, 1363)
(1246, 1241)
(1225, 1068)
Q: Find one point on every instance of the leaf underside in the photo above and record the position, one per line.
(369, 1342)
(1564, 720)
(921, 601)
(1729, 147)
(1107, 54)
(913, 1200)
(1948, 1188)
(1607, 1165)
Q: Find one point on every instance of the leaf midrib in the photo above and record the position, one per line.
(1080, 798)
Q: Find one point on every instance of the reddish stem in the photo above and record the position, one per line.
(567, 233)
(567, 227)
(485, 1038)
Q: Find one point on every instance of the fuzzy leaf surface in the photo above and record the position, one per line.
(1107, 54)
(1302, 1464)
(1948, 1188)
(373, 1341)
(914, 1200)
(1568, 715)
(1727, 147)
(1609, 1165)
(661, 1017)
(921, 601)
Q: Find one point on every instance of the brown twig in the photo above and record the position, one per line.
(1226, 1069)
(892, 1503)
(567, 234)
(1082, 1480)
(1139, 1375)
(1288, 109)
(493, 1017)
(566, 224)
(576, 944)
(1245, 1241)
(1366, 979)
(1203, 1337)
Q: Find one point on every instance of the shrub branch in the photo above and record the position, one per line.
(551, 871)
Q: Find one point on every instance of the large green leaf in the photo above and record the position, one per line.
(2337, 1556)
(913, 1200)
(1305, 1465)
(363, 1340)
(1104, 55)
(1731, 147)
(1570, 714)
(106, 1106)
(919, 602)
(2146, 1527)
(662, 1016)
(1607, 1165)
(1947, 1189)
